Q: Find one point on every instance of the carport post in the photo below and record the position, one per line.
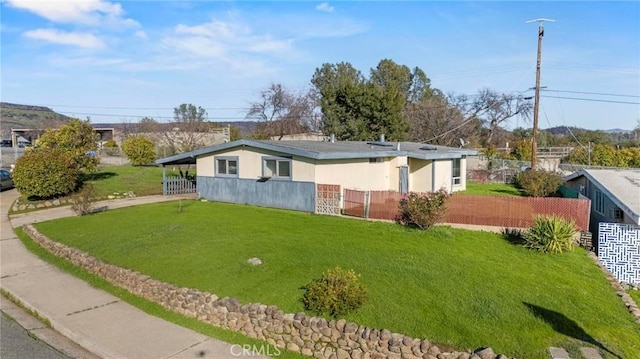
(164, 180)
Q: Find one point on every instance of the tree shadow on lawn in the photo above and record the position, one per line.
(563, 325)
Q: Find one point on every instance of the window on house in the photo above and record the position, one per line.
(226, 166)
(455, 175)
(376, 160)
(598, 202)
(617, 214)
(279, 168)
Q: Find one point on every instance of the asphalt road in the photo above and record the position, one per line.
(16, 343)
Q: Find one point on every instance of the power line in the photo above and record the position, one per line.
(593, 100)
(592, 93)
(143, 108)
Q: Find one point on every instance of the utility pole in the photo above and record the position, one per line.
(536, 105)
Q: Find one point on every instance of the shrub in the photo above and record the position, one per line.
(538, 183)
(139, 149)
(46, 173)
(84, 199)
(77, 139)
(110, 144)
(550, 234)
(336, 293)
(423, 210)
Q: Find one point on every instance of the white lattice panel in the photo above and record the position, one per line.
(327, 199)
(619, 250)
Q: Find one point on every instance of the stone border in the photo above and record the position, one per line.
(51, 203)
(311, 336)
(626, 298)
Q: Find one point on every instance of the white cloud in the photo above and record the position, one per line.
(85, 12)
(226, 41)
(80, 39)
(325, 7)
(140, 34)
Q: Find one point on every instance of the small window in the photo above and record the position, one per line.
(279, 168)
(226, 166)
(376, 160)
(617, 214)
(598, 202)
(455, 173)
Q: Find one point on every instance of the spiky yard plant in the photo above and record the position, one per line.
(551, 234)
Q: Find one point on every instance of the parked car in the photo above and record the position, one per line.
(6, 180)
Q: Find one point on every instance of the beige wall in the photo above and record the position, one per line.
(463, 176)
(250, 164)
(442, 176)
(419, 175)
(348, 173)
(357, 174)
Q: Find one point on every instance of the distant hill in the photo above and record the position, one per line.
(617, 130)
(27, 116)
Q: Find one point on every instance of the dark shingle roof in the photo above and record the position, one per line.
(331, 150)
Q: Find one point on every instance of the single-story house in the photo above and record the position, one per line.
(614, 194)
(285, 174)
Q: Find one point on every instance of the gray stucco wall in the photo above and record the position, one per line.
(298, 196)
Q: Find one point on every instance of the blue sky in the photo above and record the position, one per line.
(120, 60)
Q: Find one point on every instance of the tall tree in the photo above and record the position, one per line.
(190, 129)
(282, 112)
(492, 109)
(355, 108)
(434, 121)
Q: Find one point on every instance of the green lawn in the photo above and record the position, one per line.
(111, 180)
(495, 189)
(141, 180)
(455, 287)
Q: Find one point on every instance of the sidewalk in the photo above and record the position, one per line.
(96, 320)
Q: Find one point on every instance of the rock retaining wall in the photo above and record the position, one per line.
(626, 298)
(312, 336)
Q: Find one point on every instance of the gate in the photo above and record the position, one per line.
(178, 185)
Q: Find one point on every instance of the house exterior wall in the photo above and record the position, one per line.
(602, 209)
(358, 174)
(420, 175)
(298, 196)
(250, 164)
(442, 175)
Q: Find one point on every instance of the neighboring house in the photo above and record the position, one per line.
(614, 194)
(285, 174)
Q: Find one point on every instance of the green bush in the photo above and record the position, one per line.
(84, 199)
(538, 183)
(139, 149)
(423, 210)
(336, 293)
(550, 234)
(46, 173)
(110, 144)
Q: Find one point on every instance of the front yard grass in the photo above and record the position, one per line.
(455, 287)
(494, 189)
(117, 181)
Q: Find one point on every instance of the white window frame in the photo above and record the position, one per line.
(226, 159)
(278, 162)
(456, 180)
(598, 201)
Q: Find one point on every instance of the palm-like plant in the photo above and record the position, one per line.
(551, 234)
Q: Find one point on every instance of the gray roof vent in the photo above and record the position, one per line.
(429, 148)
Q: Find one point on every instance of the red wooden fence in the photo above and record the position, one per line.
(499, 211)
